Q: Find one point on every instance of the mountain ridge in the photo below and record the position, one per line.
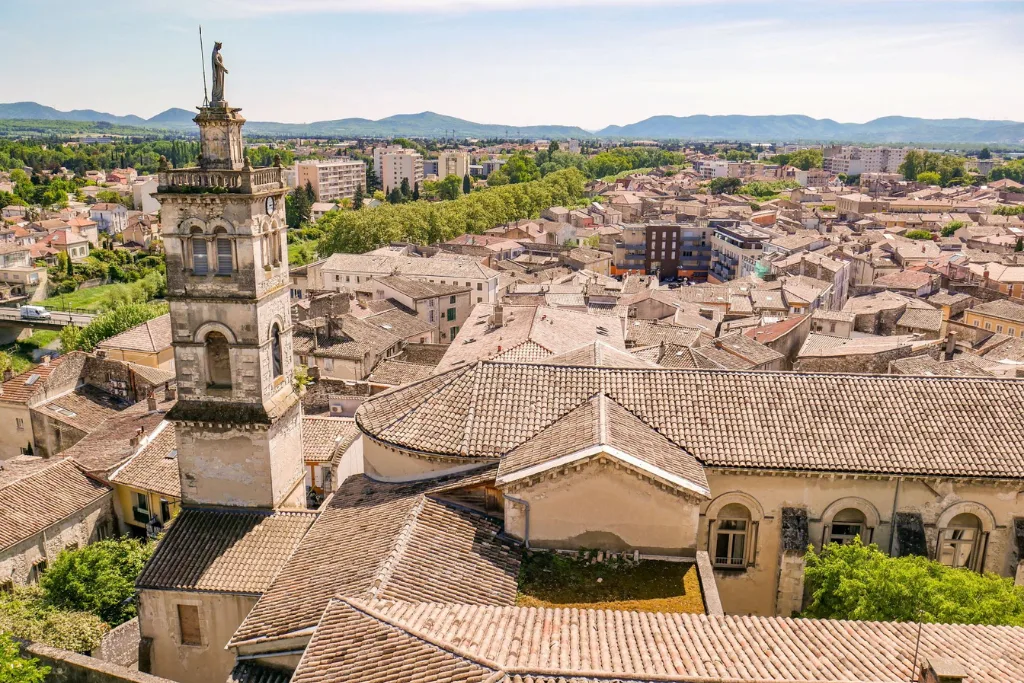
(740, 127)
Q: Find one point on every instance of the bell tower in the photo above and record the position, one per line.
(238, 418)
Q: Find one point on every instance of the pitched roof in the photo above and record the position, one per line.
(790, 421)
(109, 444)
(602, 425)
(236, 551)
(568, 645)
(388, 539)
(21, 387)
(921, 319)
(1001, 308)
(928, 366)
(598, 354)
(650, 332)
(85, 408)
(394, 264)
(149, 337)
(28, 504)
(155, 467)
(746, 348)
(395, 372)
(325, 437)
(420, 289)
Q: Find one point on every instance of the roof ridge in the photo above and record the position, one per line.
(388, 564)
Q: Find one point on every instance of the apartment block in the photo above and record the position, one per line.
(331, 180)
(859, 160)
(395, 166)
(735, 250)
(452, 162)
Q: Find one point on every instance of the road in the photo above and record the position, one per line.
(57, 319)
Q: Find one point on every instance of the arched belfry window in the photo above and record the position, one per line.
(275, 351)
(218, 361)
(200, 256)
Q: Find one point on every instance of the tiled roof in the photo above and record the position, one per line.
(921, 319)
(44, 497)
(927, 366)
(536, 332)
(109, 443)
(650, 332)
(20, 388)
(85, 408)
(825, 422)
(325, 437)
(237, 551)
(149, 337)
(420, 289)
(598, 354)
(395, 372)
(356, 339)
(1001, 308)
(388, 539)
(397, 322)
(155, 467)
(394, 264)
(743, 346)
(601, 422)
(253, 672)
(907, 279)
(567, 645)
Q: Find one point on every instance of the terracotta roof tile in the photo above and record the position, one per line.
(155, 467)
(237, 551)
(149, 337)
(325, 437)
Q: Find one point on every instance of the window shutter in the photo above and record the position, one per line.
(200, 259)
(188, 621)
(223, 256)
(752, 544)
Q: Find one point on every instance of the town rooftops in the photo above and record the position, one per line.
(22, 387)
(236, 551)
(925, 365)
(393, 372)
(395, 264)
(418, 289)
(598, 354)
(155, 466)
(504, 644)
(762, 420)
(907, 279)
(1002, 309)
(45, 496)
(149, 337)
(325, 437)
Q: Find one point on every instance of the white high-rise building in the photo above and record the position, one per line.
(398, 165)
(452, 162)
(332, 179)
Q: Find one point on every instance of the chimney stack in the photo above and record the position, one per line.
(498, 316)
(170, 393)
(950, 345)
(151, 402)
(942, 670)
(8, 374)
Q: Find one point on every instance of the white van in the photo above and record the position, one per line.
(35, 313)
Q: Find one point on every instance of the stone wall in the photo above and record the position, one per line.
(71, 667)
(121, 645)
(874, 363)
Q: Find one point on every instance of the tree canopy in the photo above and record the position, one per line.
(99, 578)
(426, 222)
(115, 321)
(24, 613)
(17, 669)
(450, 187)
(860, 582)
(947, 166)
(724, 185)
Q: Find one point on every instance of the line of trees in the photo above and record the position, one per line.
(426, 223)
(603, 164)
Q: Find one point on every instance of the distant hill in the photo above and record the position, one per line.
(794, 127)
(890, 129)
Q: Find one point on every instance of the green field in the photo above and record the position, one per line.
(93, 299)
(21, 352)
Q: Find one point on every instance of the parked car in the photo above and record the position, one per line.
(35, 313)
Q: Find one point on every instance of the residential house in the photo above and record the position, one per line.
(110, 218)
(147, 486)
(999, 316)
(443, 307)
(326, 442)
(75, 246)
(349, 270)
(147, 344)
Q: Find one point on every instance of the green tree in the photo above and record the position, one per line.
(860, 582)
(467, 184)
(310, 194)
(405, 189)
(297, 208)
(806, 159)
(724, 185)
(69, 267)
(985, 153)
(553, 147)
(449, 188)
(929, 178)
(1019, 246)
(6, 362)
(416, 192)
(70, 338)
(357, 201)
(24, 613)
(949, 228)
(98, 578)
(918, 235)
(521, 168)
(17, 669)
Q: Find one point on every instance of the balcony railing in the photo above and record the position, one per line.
(140, 516)
(201, 181)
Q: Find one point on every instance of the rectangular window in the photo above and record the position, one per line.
(451, 314)
(999, 329)
(141, 501)
(165, 510)
(958, 547)
(731, 543)
(844, 532)
(453, 333)
(188, 625)
(200, 259)
(479, 286)
(480, 299)
(20, 422)
(223, 256)
(430, 316)
(451, 300)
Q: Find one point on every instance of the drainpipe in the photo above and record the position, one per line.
(892, 518)
(525, 504)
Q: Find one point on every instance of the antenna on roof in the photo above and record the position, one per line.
(202, 60)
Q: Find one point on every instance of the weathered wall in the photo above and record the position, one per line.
(71, 667)
(13, 438)
(603, 506)
(875, 363)
(219, 616)
(121, 645)
(52, 435)
(389, 463)
(243, 465)
(90, 524)
(756, 588)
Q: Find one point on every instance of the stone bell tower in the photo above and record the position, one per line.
(238, 418)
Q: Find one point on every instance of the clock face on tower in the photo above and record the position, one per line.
(270, 205)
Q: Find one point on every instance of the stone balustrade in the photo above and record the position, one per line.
(244, 181)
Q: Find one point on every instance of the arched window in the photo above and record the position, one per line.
(731, 536)
(218, 361)
(275, 351)
(847, 525)
(961, 543)
(225, 263)
(200, 257)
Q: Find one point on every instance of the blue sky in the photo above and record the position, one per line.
(522, 62)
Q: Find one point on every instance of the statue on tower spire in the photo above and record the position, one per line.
(218, 77)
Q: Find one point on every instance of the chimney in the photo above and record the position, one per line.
(136, 438)
(101, 353)
(170, 393)
(8, 374)
(950, 346)
(151, 402)
(45, 361)
(942, 670)
(498, 316)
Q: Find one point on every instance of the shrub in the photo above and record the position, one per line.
(918, 235)
(17, 669)
(860, 582)
(25, 614)
(116, 321)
